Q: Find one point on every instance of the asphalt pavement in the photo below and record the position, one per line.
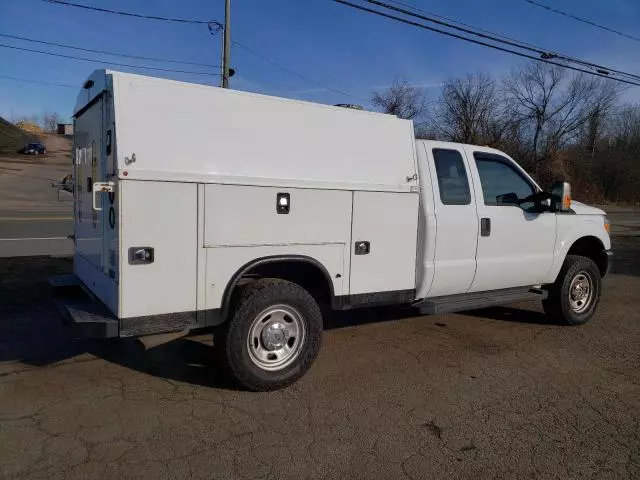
(35, 219)
(29, 233)
(495, 393)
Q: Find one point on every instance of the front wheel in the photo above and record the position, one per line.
(574, 296)
(274, 335)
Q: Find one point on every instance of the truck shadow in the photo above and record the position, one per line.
(31, 334)
(191, 360)
(194, 360)
(513, 315)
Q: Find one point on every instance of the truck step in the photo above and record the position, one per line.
(87, 317)
(472, 301)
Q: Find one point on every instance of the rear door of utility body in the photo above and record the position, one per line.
(95, 214)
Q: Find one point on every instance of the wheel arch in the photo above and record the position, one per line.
(303, 270)
(588, 245)
(591, 247)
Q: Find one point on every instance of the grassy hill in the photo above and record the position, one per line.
(13, 138)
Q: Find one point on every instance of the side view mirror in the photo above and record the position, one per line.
(507, 199)
(561, 197)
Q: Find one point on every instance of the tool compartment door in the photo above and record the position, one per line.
(383, 245)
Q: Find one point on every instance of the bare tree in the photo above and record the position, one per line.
(402, 99)
(50, 121)
(616, 168)
(554, 110)
(530, 93)
(554, 123)
(469, 110)
(603, 104)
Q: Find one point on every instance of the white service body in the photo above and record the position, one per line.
(195, 173)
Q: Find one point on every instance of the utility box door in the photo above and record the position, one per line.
(388, 221)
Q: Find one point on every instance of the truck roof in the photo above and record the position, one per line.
(193, 132)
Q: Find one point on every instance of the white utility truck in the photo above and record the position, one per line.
(202, 207)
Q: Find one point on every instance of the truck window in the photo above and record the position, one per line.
(501, 183)
(452, 177)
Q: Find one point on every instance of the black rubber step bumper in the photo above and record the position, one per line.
(86, 316)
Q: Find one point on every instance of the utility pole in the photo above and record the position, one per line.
(226, 47)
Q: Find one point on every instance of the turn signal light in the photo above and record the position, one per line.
(607, 226)
(566, 202)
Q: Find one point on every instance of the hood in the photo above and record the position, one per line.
(583, 209)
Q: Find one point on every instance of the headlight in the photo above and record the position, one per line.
(607, 225)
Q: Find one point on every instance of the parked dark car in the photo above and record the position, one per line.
(34, 149)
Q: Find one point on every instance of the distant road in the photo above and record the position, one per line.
(35, 233)
(31, 233)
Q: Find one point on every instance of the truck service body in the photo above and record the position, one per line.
(197, 206)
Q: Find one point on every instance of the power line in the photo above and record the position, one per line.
(17, 79)
(479, 42)
(583, 20)
(72, 57)
(544, 53)
(442, 17)
(104, 52)
(293, 72)
(211, 24)
(130, 14)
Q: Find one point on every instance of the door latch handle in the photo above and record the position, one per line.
(98, 187)
(485, 227)
(141, 255)
(362, 248)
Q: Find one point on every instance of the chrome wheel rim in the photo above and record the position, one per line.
(581, 292)
(276, 337)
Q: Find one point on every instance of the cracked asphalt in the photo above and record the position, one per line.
(495, 393)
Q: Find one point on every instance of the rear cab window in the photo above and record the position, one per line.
(453, 182)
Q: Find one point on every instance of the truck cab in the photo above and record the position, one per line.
(489, 228)
(298, 209)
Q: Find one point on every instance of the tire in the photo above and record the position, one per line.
(574, 296)
(273, 336)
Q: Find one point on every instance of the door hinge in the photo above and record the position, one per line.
(412, 178)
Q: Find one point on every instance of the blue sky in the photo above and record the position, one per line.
(336, 46)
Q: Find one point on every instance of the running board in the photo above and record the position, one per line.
(473, 301)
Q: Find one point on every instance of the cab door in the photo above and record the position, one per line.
(515, 242)
(456, 219)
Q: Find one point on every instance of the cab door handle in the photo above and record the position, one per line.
(485, 227)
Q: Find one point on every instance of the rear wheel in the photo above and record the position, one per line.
(273, 336)
(574, 296)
